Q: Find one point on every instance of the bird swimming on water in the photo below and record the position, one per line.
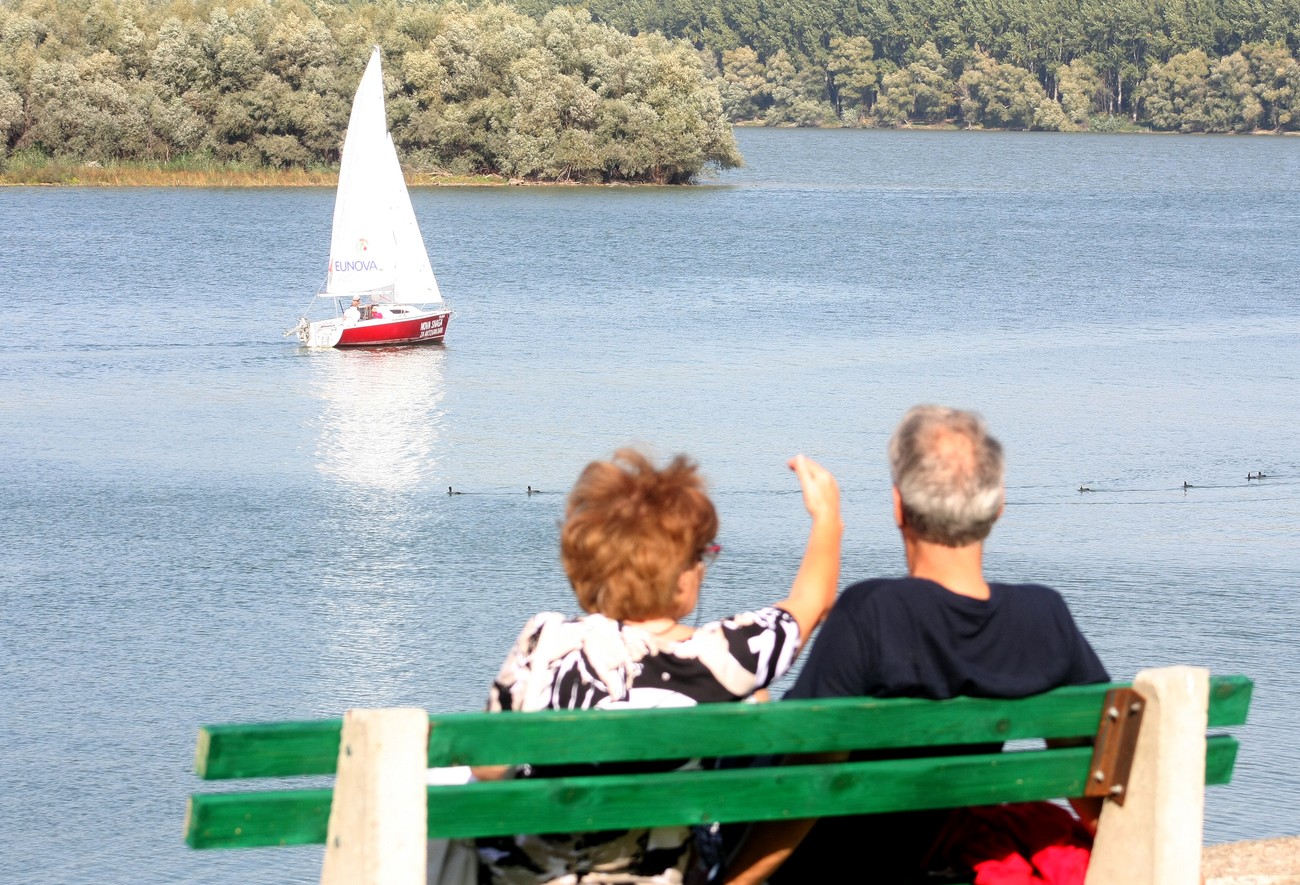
(1084, 489)
(533, 491)
(1188, 485)
(450, 492)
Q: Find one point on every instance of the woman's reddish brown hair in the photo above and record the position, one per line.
(630, 530)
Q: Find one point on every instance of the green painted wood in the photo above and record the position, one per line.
(229, 820)
(1230, 700)
(257, 820)
(618, 801)
(1220, 759)
(270, 749)
(615, 802)
(557, 737)
(560, 737)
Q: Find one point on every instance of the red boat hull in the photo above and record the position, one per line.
(426, 328)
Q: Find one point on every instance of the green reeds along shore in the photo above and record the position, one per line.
(34, 168)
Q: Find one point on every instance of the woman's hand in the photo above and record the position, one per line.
(821, 494)
(813, 590)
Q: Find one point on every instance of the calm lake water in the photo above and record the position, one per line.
(203, 523)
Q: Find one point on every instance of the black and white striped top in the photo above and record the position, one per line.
(593, 662)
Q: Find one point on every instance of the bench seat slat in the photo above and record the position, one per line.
(257, 820)
(619, 801)
(561, 737)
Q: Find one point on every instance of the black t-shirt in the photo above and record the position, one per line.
(911, 637)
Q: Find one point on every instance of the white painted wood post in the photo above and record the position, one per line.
(1155, 837)
(378, 818)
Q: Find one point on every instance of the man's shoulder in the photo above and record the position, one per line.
(882, 601)
(882, 588)
(1028, 594)
(1031, 588)
(1038, 606)
(905, 592)
(912, 599)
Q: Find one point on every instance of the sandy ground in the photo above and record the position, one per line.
(1268, 862)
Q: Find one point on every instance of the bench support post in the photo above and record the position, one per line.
(1155, 837)
(378, 818)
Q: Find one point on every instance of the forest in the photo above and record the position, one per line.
(487, 90)
(618, 90)
(1167, 65)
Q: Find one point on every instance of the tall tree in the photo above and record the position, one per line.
(1081, 91)
(851, 77)
(1175, 94)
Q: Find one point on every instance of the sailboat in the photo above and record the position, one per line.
(378, 276)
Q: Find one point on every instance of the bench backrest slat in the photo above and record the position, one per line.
(561, 737)
(575, 804)
(268, 749)
(1229, 700)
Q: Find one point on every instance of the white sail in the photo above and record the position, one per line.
(376, 249)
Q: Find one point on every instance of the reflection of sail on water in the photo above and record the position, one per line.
(380, 415)
(379, 428)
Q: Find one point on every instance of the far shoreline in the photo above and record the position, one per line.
(86, 176)
(64, 173)
(142, 175)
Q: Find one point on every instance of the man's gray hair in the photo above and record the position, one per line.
(948, 470)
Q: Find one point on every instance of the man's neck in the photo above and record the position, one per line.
(959, 570)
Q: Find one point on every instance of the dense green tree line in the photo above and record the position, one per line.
(483, 90)
(1190, 65)
(537, 90)
(1255, 88)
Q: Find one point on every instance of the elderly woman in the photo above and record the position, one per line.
(635, 544)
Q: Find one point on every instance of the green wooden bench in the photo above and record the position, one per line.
(381, 808)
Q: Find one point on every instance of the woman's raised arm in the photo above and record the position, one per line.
(813, 590)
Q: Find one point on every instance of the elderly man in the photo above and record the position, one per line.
(940, 632)
(352, 315)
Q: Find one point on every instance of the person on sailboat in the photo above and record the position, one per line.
(635, 543)
(352, 315)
